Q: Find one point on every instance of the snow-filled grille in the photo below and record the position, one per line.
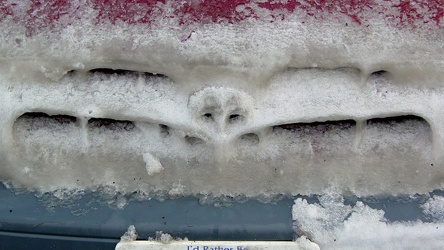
(307, 131)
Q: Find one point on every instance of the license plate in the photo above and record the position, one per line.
(215, 245)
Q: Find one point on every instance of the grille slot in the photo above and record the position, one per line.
(317, 127)
(39, 120)
(403, 135)
(380, 74)
(396, 120)
(318, 140)
(371, 156)
(124, 72)
(110, 124)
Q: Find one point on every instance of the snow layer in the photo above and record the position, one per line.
(293, 106)
(130, 234)
(435, 208)
(333, 225)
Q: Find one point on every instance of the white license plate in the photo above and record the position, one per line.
(214, 245)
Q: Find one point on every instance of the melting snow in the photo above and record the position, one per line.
(333, 225)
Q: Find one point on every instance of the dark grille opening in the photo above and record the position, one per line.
(380, 73)
(108, 71)
(110, 124)
(40, 119)
(318, 127)
(395, 120)
(380, 76)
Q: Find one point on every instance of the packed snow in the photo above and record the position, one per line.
(305, 131)
(130, 234)
(334, 225)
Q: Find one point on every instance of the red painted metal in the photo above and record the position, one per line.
(40, 14)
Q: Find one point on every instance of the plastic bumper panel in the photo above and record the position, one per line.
(97, 226)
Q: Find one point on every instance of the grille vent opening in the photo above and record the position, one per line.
(110, 124)
(317, 127)
(380, 73)
(36, 120)
(123, 72)
(408, 130)
(380, 78)
(395, 120)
